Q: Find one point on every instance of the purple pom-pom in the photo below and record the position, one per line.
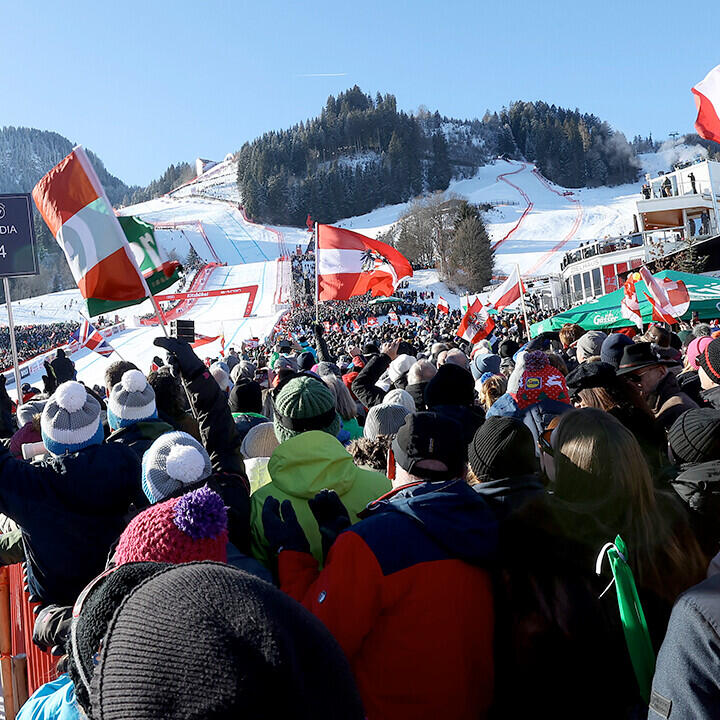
(536, 360)
(201, 514)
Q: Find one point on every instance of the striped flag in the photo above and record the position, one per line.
(75, 207)
(87, 335)
(393, 316)
(355, 325)
(707, 99)
(507, 293)
(476, 324)
(669, 298)
(443, 306)
(351, 264)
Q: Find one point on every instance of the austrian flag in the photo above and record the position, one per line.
(351, 264)
(443, 306)
(707, 99)
(476, 324)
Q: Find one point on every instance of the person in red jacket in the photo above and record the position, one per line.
(405, 591)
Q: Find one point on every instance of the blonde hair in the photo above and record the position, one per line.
(602, 477)
(344, 403)
(492, 389)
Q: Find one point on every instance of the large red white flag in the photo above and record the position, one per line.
(507, 293)
(476, 324)
(75, 207)
(670, 299)
(443, 305)
(630, 306)
(707, 99)
(351, 264)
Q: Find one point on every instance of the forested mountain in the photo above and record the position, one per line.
(361, 152)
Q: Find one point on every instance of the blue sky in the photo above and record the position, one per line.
(145, 84)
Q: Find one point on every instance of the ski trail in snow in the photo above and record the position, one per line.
(503, 178)
(579, 214)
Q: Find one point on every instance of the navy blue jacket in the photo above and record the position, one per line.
(71, 509)
(686, 685)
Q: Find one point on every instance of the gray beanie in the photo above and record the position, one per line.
(25, 413)
(399, 366)
(400, 397)
(590, 344)
(175, 459)
(71, 420)
(243, 369)
(384, 420)
(305, 403)
(131, 400)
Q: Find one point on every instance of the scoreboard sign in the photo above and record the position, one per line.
(17, 236)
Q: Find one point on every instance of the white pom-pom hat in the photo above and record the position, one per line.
(174, 461)
(70, 420)
(131, 400)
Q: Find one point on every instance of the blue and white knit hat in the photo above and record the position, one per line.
(174, 460)
(70, 420)
(131, 400)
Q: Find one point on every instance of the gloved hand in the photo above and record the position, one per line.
(283, 532)
(332, 517)
(181, 357)
(52, 628)
(49, 379)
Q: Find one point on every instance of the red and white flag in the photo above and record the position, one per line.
(355, 325)
(707, 99)
(90, 337)
(326, 325)
(336, 328)
(476, 324)
(507, 293)
(372, 321)
(351, 264)
(630, 305)
(75, 207)
(443, 306)
(393, 316)
(670, 299)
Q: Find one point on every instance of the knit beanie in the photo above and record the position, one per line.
(540, 381)
(399, 367)
(384, 419)
(246, 396)
(502, 447)
(695, 436)
(328, 368)
(306, 360)
(173, 461)
(695, 348)
(507, 348)
(131, 400)
(221, 375)
(611, 350)
(26, 412)
(183, 529)
(484, 363)
(243, 369)
(206, 640)
(400, 397)
(451, 385)
(99, 602)
(589, 344)
(260, 441)
(305, 403)
(702, 330)
(70, 420)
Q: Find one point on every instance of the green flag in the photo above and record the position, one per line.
(159, 272)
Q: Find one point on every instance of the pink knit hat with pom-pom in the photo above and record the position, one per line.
(190, 528)
(540, 381)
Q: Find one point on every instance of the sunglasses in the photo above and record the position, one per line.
(544, 442)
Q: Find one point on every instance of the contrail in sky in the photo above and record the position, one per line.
(307, 75)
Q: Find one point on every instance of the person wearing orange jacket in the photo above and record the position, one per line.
(405, 591)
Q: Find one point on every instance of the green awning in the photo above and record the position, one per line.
(604, 312)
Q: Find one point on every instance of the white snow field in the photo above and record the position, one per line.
(533, 224)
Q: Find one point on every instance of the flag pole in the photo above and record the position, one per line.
(522, 302)
(317, 285)
(13, 345)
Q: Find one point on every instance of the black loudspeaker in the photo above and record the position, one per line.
(183, 330)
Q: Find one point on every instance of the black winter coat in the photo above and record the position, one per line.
(71, 509)
(364, 387)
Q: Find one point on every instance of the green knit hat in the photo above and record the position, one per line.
(303, 404)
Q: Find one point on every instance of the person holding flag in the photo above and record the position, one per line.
(476, 324)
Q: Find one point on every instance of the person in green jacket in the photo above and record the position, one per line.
(309, 459)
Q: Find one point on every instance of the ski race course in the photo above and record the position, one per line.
(532, 224)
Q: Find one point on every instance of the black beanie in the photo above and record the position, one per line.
(245, 396)
(206, 640)
(451, 385)
(305, 360)
(695, 436)
(502, 447)
(507, 348)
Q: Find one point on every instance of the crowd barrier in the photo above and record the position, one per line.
(24, 667)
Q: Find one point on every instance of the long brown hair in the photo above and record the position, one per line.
(603, 480)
